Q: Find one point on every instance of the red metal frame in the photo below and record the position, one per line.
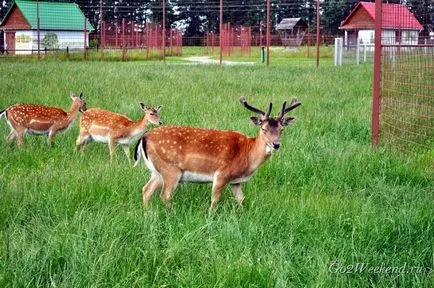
(163, 33)
(377, 74)
(318, 32)
(221, 32)
(85, 39)
(38, 23)
(268, 32)
(123, 39)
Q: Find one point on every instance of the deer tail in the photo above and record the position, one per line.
(140, 150)
(2, 112)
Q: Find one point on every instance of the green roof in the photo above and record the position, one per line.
(52, 15)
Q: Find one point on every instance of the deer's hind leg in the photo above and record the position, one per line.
(171, 179)
(148, 190)
(126, 148)
(11, 137)
(82, 140)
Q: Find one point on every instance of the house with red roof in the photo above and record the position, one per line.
(399, 25)
(61, 25)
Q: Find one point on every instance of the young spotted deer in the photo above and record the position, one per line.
(42, 120)
(178, 153)
(108, 127)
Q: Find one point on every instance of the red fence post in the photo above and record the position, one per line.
(85, 39)
(318, 24)
(101, 29)
(171, 42)
(147, 40)
(38, 23)
(377, 74)
(116, 35)
(164, 31)
(268, 32)
(221, 32)
(123, 39)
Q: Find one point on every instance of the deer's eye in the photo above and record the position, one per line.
(264, 129)
(152, 114)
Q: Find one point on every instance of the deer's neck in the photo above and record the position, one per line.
(259, 152)
(140, 124)
(72, 113)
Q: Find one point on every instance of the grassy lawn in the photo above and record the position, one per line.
(278, 55)
(323, 202)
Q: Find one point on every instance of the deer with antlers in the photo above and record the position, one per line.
(107, 127)
(178, 153)
(40, 120)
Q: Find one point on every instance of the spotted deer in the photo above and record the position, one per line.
(107, 127)
(40, 120)
(179, 153)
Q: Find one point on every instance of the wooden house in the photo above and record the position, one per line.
(61, 25)
(399, 25)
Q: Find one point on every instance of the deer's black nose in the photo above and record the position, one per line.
(276, 145)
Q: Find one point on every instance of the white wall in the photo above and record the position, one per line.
(408, 37)
(27, 40)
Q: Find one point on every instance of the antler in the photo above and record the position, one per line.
(294, 104)
(243, 101)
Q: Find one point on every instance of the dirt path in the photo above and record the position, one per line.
(208, 60)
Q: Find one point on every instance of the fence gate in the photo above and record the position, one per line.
(403, 94)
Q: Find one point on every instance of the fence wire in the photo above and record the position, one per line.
(407, 81)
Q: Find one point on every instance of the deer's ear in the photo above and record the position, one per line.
(159, 108)
(285, 121)
(72, 95)
(81, 95)
(143, 106)
(256, 121)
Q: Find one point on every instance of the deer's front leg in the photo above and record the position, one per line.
(112, 146)
(217, 187)
(238, 193)
(51, 135)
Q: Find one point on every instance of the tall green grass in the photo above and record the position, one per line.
(70, 219)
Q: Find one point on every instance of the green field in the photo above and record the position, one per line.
(323, 202)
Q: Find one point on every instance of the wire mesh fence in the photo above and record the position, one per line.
(144, 29)
(406, 106)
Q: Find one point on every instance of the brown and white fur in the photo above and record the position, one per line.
(107, 127)
(40, 120)
(178, 153)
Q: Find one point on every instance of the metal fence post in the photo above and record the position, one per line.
(364, 53)
(318, 31)
(221, 32)
(38, 32)
(85, 39)
(358, 52)
(268, 32)
(377, 74)
(123, 39)
(164, 31)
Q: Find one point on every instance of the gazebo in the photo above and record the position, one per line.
(292, 31)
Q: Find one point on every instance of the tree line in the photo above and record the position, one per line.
(197, 17)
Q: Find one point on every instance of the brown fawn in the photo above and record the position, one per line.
(40, 120)
(178, 153)
(107, 127)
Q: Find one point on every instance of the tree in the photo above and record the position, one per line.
(50, 41)
(423, 10)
